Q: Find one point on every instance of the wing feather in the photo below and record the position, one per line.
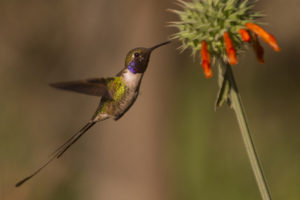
(94, 87)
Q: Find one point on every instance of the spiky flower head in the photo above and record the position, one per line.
(216, 28)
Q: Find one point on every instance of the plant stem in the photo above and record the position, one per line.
(237, 106)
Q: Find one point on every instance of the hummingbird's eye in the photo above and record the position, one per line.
(136, 55)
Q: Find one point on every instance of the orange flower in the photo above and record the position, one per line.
(205, 60)
(230, 49)
(267, 37)
(245, 35)
(259, 51)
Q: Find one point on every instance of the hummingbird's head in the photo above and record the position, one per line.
(137, 59)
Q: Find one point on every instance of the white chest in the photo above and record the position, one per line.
(131, 80)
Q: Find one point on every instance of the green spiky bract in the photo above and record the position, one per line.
(208, 20)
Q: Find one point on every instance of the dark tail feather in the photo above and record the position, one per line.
(72, 140)
(60, 151)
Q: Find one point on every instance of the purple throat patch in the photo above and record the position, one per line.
(132, 67)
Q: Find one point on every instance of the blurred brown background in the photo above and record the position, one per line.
(171, 144)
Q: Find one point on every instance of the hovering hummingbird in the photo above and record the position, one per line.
(117, 95)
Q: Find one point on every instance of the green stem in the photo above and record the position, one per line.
(237, 106)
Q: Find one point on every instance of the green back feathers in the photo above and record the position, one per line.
(117, 87)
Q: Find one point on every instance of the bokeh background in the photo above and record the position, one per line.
(171, 144)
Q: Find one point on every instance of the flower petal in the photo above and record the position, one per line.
(230, 49)
(267, 37)
(205, 57)
(207, 69)
(245, 35)
(258, 49)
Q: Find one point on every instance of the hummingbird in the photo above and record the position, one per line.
(117, 94)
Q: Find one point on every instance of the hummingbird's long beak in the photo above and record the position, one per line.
(158, 45)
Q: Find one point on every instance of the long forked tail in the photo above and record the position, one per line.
(60, 151)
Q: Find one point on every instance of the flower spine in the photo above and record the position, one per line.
(219, 29)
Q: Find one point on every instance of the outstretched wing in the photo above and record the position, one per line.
(94, 87)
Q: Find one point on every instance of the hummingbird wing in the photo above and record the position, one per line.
(94, 87)
(60, 151)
